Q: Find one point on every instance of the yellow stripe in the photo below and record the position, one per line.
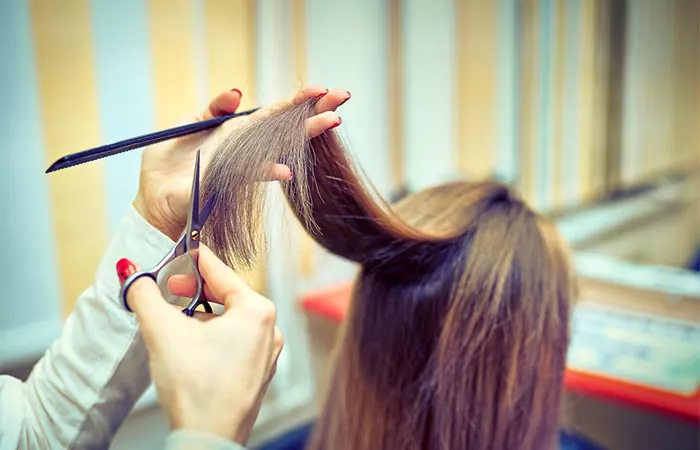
(69, 109)
(229, 28)
(306, 245)
(688, 112)
(170, 25)
(395, 87)
(587, 76)
(528, 109)
(230, 45)
(477, 75)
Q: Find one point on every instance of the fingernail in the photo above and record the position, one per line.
(240, 94)
(335, 124)
(325, 91)
(291, 174)
(125, 269)
(346, 99)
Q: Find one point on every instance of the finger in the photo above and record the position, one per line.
(125, 269)
(151, 309)
(272, 373)
(305, 94)
(182, 285)
(333, 100)
(224, 103)
(277, 172)
(277, 345)
(320, 123)
(185, 285)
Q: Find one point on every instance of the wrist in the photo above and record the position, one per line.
(216, 425)
(155, 220)
(140, 206)
(228, 421)
(183, 439)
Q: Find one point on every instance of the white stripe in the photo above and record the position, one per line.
(572, 131)
(124, 83)
(547, 48)
(275, 81)
(274, 51)
(428, 95)
(509, 94)
(347, 47)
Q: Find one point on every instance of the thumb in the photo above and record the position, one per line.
(146, 301)
(221, 280)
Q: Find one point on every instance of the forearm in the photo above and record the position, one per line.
(88, 381)
(196, 440)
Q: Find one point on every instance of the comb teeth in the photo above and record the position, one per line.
(60, 164)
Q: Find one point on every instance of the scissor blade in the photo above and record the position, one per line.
(206, 210)
(193, 218)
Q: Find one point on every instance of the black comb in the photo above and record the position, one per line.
(140, 141)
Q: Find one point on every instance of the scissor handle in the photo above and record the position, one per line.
(153, 275)
(188, 310)
(129, 281)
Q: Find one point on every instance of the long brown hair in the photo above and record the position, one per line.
(458, 329)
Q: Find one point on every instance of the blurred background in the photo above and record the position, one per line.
(589, 107)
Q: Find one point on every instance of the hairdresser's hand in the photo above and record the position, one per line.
(166, 168)
(210, 375)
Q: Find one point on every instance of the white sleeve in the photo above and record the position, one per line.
(196, 440)
(86, 384)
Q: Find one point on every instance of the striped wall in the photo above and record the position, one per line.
(30, 254)
(662, 86)
(513, 89)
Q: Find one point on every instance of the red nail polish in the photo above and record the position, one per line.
(335, 124)
(322, 94)
(291, 174)
(240, 94)
(125, 269)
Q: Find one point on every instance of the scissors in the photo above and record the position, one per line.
(188, 244)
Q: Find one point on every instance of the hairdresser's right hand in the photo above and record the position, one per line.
(166, 168)
(210, 375)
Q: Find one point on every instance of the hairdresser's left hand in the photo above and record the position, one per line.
(166, 168)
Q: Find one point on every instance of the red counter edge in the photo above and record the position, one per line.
(331, 303)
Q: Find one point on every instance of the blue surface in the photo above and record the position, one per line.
(695, 263)
(296, 440)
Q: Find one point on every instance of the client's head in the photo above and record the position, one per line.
(458, 332)
(458, 329)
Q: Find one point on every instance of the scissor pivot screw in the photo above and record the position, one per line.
(195, 235)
